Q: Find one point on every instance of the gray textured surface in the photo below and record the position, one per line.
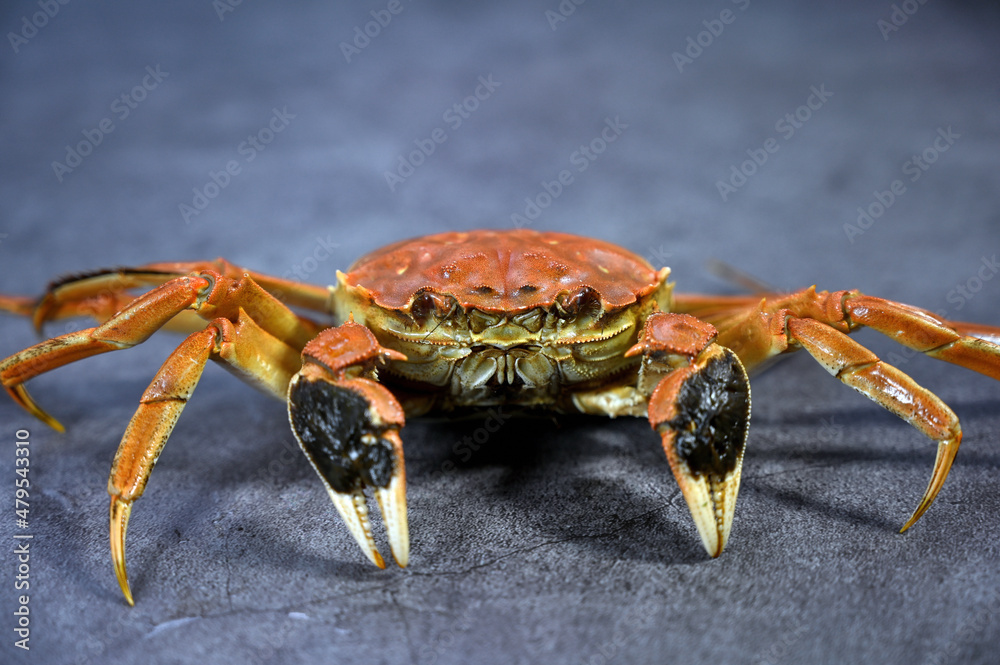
(562, 542)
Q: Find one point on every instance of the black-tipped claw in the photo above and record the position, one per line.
(350, 450)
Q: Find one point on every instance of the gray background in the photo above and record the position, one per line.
(561, 541)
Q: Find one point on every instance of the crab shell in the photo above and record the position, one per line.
(482, 310)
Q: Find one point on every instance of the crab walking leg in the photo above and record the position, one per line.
(862, 370)
(209, 294)
(103, 293)
(808, 318)
(740, 319)
(701, 410)
(762, 335)
(348, 426)
(132, 326)
(926, 332)
(714, 309)
(978, 330)
(19, 305)
(296, 294)
(247, 350)
(98, 295)
(159, 410)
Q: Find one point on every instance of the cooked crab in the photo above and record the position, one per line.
(538, 320)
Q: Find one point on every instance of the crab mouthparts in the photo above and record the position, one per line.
(523, 366)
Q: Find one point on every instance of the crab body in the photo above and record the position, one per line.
(503, 317)
(463, 320)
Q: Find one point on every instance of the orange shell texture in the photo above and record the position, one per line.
(501, 271)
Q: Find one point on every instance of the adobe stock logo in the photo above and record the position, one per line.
(898, 17)
(787, 125)
(565, 9)
(122, 108)
(248, 149)
(38, 20)
(363, 35)
(714, 28)
(454, 116)
(914, 167)
(581, 159)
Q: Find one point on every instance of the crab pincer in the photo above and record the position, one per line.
(701, 410)
(348, 426)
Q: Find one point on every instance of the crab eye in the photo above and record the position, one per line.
(428, 304)
(480, 321)
(579, 304)
(531, 321)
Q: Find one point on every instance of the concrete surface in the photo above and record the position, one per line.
(559, 541)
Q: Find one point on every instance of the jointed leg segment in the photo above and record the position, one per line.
(250, 332)
(861, 369)
(208, 294)
(819, 322)
(246, 349)
(103, 293)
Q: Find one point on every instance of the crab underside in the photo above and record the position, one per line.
(540, 320)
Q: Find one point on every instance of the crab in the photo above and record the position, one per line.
(521, 318)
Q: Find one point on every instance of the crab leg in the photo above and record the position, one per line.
(98, 295)
(132, 326)
(295, 294)
(209, 294)
(700, 407)
(20, 305)
(862, 370)
(103, 293)
(971, 345)
(926, 332)
(266, 354)
(248, 350)
(819, 322)
(978, 330)
(348, 426)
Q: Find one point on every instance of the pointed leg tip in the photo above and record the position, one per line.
(20, 395)
(917, 514)
(127, 592)
(120, 511)
(942, 465)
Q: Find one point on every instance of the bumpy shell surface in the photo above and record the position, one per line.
(503, 271)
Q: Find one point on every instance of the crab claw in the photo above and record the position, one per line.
(353, 509)
(702, 414)
(349, 430)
